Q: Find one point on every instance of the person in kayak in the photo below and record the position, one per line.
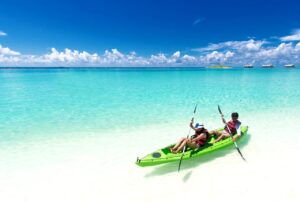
(197, 140)
(234, 126)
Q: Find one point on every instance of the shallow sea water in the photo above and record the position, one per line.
(74, 134)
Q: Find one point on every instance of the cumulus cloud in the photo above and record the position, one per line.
(249, 45)
(234, 53)
(7, 51)
(112, 57)
(250, 51)
(69, 56)
(2, 33)
(295, 36)
(279, 54)
(216, 57)
(176, 55)
(189, 59)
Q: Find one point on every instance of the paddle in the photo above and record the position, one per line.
(186, 137)
(231, 134)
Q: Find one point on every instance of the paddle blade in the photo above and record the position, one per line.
(181, 157)
(241, 154)
(219, 109)
(195, 108)
(179, 164)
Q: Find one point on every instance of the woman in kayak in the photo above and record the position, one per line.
(197, 140)
(233, 125)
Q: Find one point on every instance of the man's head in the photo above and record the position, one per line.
(234, 116)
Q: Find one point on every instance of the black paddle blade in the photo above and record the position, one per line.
(195, 108)
(219, 109)
(181, 157)
(241, 154)
(179, 164)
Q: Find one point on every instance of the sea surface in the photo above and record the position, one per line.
(73, 134)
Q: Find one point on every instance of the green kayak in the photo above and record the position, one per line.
(164, 155)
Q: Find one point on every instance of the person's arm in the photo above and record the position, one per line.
(192, 124)
(224, 121)
(199, 137)
(236, 137)
(238, 132)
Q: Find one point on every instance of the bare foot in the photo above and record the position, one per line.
(175, 152)
(172, 150)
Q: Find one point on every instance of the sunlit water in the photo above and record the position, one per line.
(74, 134)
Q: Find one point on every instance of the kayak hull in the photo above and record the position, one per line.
(164, 155)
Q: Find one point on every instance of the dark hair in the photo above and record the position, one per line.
(199, 131)
(235, 114)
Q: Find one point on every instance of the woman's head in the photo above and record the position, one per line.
(199, 127)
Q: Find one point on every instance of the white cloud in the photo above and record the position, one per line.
(254, 45)
(7, 51)
(249, 51)
(176, 55)
(297, 47)
(216, 57)
(236, 53)
(189, 59)
(295, 36)
(249, 45)
(67, 56)
(280, 54)
(2, 33)
(159, 59)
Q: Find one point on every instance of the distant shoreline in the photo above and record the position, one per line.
(103, 67)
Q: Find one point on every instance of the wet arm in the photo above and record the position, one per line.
(238, 134)
(201, 136)
(224, 121)
(191, 125)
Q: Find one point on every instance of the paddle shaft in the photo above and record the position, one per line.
(184, 148)
(236, 146)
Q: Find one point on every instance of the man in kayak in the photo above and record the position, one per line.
(197, 140)
(234, 126)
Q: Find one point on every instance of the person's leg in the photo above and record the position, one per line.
(192, 145)
(173, 149)
(215, 132)
(183, 143)
(223, 135)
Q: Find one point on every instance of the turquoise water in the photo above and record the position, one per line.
(92, 123)
(61, 101)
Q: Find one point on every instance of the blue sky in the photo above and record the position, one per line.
(148, 27)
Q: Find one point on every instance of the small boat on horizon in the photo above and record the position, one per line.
(267, 66)
(248, 66)
(290, 66)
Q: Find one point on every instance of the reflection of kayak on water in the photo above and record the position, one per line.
(164, 155)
